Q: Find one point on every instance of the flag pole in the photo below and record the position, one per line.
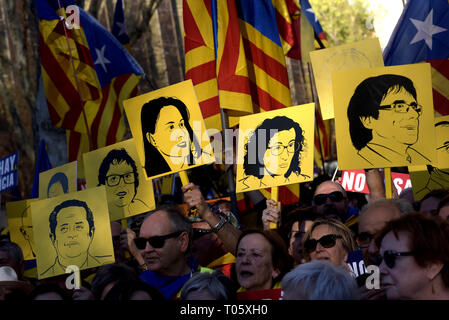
(76, 80)
(315, 99)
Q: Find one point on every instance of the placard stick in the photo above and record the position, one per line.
(184, 178)
(388, 190)
(275, 197)
(124, 226)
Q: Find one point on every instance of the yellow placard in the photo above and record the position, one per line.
(21, 226)
(72, 230)
(275, 148)
(384, 117)
(357, 55)
(57, 181)
(168, 129)
(427, 178)
(118, 168)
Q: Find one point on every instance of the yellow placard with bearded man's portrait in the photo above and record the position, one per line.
(118, 168)
(275, 148)
(21, 226)
(357, 55)
(72, 230)
(384, 117)
(168, 129)
(57, 181)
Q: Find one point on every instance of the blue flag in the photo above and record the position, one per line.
(119, 27)
(42, 164)
(422, 33)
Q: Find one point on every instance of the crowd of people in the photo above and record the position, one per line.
(167, 254)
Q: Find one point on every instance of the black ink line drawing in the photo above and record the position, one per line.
(59, 184)
(118, 173)
(72, 231)
(168, 139)
(383, 116)
(273, 150)
(437, 179)
(27, 230)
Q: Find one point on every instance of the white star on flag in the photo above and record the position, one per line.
(101, 59)
(311, 11)
(122, 27)
(426, 29)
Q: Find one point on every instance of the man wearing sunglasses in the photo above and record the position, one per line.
(383, 119)
(331, 200)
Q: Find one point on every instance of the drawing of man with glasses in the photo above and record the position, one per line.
(383, 116)
(118, 172)
(274, 151)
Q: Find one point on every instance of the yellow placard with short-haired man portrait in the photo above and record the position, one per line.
(21, 226)
(118, 168)
(362, 54)
(275, 148)
(384, 117)
(57, 181)
(72, 229)
(168, 129)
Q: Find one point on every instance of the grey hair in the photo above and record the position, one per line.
(216, 283)
(319, 280)
(402, 205)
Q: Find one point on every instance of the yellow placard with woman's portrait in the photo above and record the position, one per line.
(384, 117)
(72, 229)
(118, 168)
(275, 148)
(57, 181)
(357, 55)
(21, 226)
(168, 129)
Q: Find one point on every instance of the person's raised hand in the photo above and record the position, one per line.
(194, 199)
(127, 237)
(271, 214)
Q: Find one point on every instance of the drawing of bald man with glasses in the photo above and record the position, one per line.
(383, 116)
(118, 172)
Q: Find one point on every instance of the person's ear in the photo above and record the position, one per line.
(367, 122)
(151, 139)
(275, 273)
(433, 269)
(184, 240)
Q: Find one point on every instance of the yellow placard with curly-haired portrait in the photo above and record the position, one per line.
(168, 129)
(21, 226)
(57, 181)
(72, 229)
(357, 55)
(384, 117)
(275, 148)
(118, 168)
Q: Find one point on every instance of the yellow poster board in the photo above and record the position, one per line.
(118, 168)
(21, 227)
(275, 148)
(357, 55)
(168, 129)
(57, 181)
(427, 178)
(72, 229)
(384, 117)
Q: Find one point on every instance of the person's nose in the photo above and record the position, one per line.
(383, 269)
(148, 248)
(372, 248)
(319, 248)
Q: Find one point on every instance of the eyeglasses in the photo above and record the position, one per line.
(198, 232)
(114, 179)
(364, 239)
(279, 148)
(327, 241)
(402, 107)
(156, 242)
(335, 196)
(390, 257)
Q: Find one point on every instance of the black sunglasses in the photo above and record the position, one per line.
(198, 232)
(390, 257)
(335, 196)
(364, 239)
(327, 241)
(156, 242)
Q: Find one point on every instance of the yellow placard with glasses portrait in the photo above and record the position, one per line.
(118, 168)
(168, 129)
(384, 117)
(275, 148)
(72, 230)
(21, 226)
(357, 55)
(57, 181)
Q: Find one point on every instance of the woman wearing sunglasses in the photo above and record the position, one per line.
(330, 240)
(415, 258)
